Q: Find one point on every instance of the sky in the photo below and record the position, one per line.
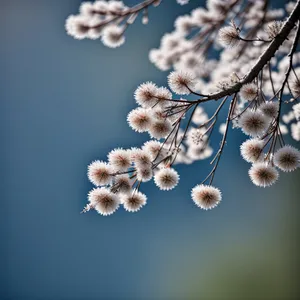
(64, 104)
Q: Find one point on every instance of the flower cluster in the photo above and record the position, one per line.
(256, 76)
(107, 20)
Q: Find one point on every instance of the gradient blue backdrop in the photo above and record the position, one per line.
(63, 104)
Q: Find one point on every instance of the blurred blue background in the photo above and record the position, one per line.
(63, 104)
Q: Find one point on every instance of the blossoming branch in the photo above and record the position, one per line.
(256, 77)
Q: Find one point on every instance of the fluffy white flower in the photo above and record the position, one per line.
(144, 174)
(112, 36)
(122, 184)
(104, 201)
(180, 82)
(270, 109)
(162, 96)
(191, 62)
(287, 158)
(254, 123)
(228, 36)
(134, 202)
(252, 150)
(154, 148)
(184, 24)
(87, 9)
(263, 174)
(95, 30)
(196, 136)
(166, 179)
(141, 158)
(248, 91)
(206, 196)
(139, 119)
(101, 6)
(145, 94)
(115, 7)
(201, 16)
(160, 129)
(119, 159)
(99, 173)
(170, 41)
(77, 26)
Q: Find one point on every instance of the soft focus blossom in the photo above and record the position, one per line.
(229, 36)
(113, 36)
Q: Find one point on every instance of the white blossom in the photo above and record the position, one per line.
(134, 202)
(166, 179)
(181, 82)
(112, 36)
(263, 174)
(287, 158)
(103, 201)
(99, 173)
(205, 196)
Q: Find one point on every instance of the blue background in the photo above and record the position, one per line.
(63, 104)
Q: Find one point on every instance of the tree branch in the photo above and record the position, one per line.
(263, 59)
